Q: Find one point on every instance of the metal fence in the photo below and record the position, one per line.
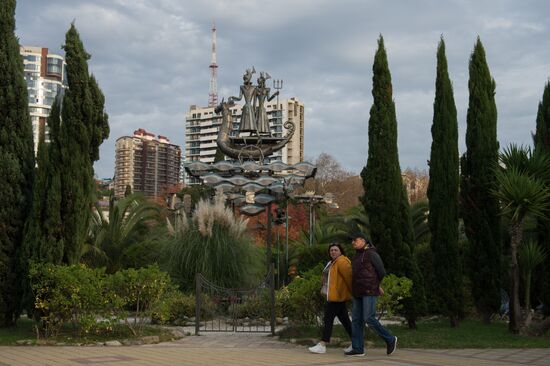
(221, 309)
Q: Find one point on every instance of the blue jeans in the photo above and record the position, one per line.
(364, 311)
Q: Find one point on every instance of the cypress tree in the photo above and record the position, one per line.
(384, 200)
(542, 144)
(43, 235)
(382, 174)
(84, 126)
(443, 191)
(16, 163)
(542, 134)
(480, 209)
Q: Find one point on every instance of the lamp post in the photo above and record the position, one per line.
(312, 199)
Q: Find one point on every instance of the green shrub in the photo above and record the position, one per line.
(91, 300)
(141, 290)
(65, 294)
(254, 306)
(396, 289)
(176, 308)
(305, 303)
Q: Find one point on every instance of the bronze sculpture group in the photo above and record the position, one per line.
(258, 142)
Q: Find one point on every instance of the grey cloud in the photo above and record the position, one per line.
(151, 60)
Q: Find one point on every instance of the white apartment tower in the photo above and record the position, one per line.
(202, 125)
(46, 77)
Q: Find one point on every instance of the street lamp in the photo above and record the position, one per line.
(312, 199)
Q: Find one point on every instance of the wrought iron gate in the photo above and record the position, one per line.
(220, 309)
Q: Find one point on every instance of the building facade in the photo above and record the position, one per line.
(202, 125)
(46, 77)
(148, 164)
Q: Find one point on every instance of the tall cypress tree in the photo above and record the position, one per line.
(542, 144)
(480, 209)
(83, 128)
(16, 163)
(542, 134)
(443, 191)
(43, 235)
(382, 174)
(384, 199)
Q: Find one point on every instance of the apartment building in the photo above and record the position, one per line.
(147, 163)
(202, 125)
(46, 77)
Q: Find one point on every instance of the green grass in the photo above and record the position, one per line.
(25, 330)
(435, 334)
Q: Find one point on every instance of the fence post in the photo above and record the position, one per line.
(198, 286)
(272, 296)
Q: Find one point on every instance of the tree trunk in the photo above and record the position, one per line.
(528, 312)
(454, 321)
(516, 236)
(541, 328)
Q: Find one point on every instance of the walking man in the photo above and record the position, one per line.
(367, 273)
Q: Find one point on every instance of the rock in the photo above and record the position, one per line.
(24, 342)
(150, 339)
(113, 343)
(293, 340)
(45, 342)
(177, 334)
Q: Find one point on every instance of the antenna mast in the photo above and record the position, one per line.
(213, 94)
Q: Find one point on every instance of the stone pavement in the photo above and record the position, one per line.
(253, 349)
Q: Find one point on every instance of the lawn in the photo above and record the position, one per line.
(25, 330)
(435, 334)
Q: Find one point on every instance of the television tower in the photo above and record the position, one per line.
(213, 94)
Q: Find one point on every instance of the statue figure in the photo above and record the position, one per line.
(249, 91)
(262, 93)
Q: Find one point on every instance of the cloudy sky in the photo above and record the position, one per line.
(151, 60)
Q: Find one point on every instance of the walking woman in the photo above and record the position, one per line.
(336, 288)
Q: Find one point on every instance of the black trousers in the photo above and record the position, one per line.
(332, 310)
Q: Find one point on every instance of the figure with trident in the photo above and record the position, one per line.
(263, 94)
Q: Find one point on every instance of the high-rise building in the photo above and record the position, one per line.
(202, 126)
(46, 77)
(146, 163)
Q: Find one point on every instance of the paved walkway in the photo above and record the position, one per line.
(251, 350)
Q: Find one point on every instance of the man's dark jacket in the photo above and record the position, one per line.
(368, 272)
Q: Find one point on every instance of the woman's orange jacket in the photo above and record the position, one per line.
(339, 280)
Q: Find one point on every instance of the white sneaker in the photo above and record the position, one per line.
(318, 348)
(348, 349)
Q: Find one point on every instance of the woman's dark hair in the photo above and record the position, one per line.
(336, 245)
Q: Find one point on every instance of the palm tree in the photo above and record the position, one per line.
(522, 193)
(110, 236)
(355, 220)
(419, 217)
(531, 255)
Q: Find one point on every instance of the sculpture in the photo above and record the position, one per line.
(249, 91)
(262, 93)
